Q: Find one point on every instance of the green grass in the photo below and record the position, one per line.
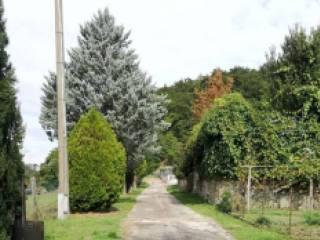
(46, 206)
(279, 218)
(238, 228)
(89, 226)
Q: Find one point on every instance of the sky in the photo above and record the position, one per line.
(174, 39)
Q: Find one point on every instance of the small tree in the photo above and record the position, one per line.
(97, 164)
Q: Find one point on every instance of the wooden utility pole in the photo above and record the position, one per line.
(63, 192)
(249, 181)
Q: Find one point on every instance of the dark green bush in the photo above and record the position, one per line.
(263, 221)
(312, 218)
(225, 204)
(97, 164)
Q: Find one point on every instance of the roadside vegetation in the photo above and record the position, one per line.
(305, 225)
(90, 225)
(239, 229)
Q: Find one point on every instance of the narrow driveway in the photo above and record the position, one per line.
(159, 216)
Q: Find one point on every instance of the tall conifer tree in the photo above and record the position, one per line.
(11, 131)
(104, 72)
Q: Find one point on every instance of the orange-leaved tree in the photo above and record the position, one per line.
(216, 88)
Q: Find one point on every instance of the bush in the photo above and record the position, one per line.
(141, 171)
(225, 204)
(97, 164)
(312, 218)
(263, 221)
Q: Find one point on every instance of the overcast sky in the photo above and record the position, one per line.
(174, 39)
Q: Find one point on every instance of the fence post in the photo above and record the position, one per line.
(249, 188)
(290, 212)
(34, 199)
(311, 194)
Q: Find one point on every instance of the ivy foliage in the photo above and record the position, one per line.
(222, 140)
(97, 164)
(233, 133)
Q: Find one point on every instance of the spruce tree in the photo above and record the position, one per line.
(11, 167)
(104, 72)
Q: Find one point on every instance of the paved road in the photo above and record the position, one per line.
(159, 216)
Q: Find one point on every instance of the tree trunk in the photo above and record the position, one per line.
(124, 186)
(134, 185)
(129, 180)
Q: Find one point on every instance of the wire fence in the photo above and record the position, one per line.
(287, 209)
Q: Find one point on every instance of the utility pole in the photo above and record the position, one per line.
(63, 192)
(249, 181)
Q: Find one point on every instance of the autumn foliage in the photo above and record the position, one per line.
(216, 88)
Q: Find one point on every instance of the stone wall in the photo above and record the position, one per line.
(212, 191)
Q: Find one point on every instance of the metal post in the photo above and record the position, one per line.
(249, 187)
(311, 194)
(63, 192)
(250, 167)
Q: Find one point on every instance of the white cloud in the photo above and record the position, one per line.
(174, 39)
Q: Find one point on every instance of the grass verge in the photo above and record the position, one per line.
(88, 226)
(238, 229)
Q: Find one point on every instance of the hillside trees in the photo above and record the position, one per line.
(11, 134)
(276, 124)
(181, 96)
(104, 72)
(97, 164)
(216, 87)
(295, 73)
(251, 83)
(171, 149)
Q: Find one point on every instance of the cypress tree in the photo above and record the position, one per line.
(97, 164)
(11, 133)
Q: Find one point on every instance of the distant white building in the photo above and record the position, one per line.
(167, 175)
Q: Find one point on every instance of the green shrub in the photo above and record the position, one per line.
(97, 164)
(225, 204)
(263, 221)
(141, 171)
(312, 218)
(49, 171)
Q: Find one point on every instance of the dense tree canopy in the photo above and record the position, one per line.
(11, 134)
(181, 96)
(216, 88)
(274, 123)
